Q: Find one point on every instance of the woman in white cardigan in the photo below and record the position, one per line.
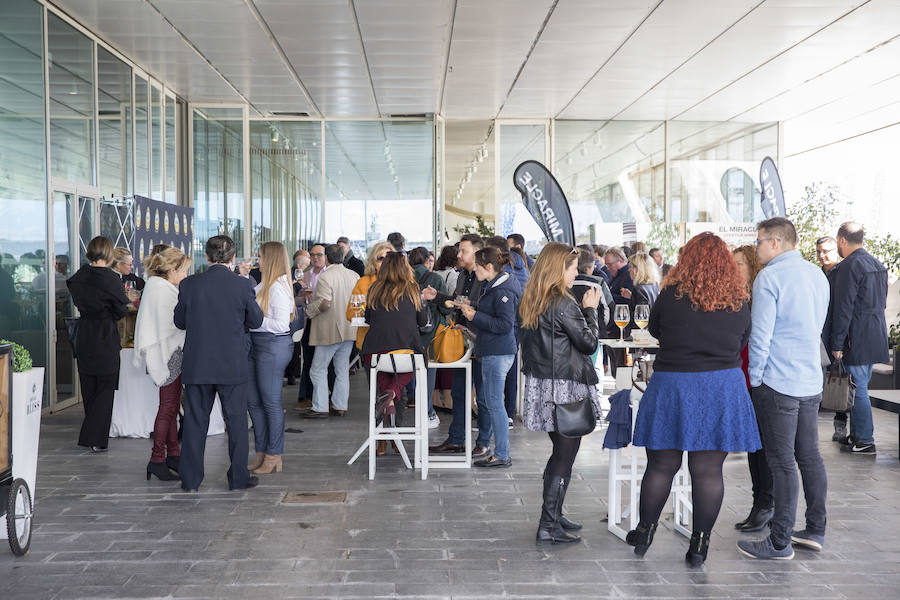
(158, 344)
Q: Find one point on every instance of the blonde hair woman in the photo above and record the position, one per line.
(158, 346)
(645, 275)
(123, 266)
(376, 256)
(558, 338)
(270, 352)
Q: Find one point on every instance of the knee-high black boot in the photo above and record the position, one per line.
(549, 529)
(563, 521)
(696, 554)
(641, 537)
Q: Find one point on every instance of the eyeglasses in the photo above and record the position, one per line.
(759, 241)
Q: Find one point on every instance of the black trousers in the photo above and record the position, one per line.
(198, 404)
(97, 393)
(306, 387)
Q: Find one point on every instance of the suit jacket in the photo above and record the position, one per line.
(216, 308)
(101, 301)
(333, 289)
(856, 318)
(355, 265)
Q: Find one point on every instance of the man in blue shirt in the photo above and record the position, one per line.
(790, 303)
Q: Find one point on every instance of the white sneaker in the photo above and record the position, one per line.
(434, 421)
(511, 424)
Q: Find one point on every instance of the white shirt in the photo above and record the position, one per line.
(281, 300)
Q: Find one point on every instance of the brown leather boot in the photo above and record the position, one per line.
(257, 462)
(271, 464)
(380, 447)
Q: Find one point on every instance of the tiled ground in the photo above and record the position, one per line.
(102, 531)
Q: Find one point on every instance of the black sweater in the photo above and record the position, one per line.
(691, 340)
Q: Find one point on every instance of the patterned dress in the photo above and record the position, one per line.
(542, 395)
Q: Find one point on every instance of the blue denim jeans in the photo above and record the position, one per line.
(322, 357)
(491, 404)
(457, 433)
(790, 432)
(861, 427)
(269, 355)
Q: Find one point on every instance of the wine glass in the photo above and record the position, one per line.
(622, 316)
(642, 315)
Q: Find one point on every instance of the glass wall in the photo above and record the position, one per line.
(714, 170)
(116, 152)
(172, 154)
(379, 179)
(23, 195)
(156, 143)
(285, 182)
(218, 177)
(612, 172)
(518, 142)
(141, 137)
(71, 102)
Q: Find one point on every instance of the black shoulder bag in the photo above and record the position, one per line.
(573, 419)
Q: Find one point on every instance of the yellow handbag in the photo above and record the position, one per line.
(448, 345)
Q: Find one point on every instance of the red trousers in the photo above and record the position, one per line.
(390, 381)
(165, 428)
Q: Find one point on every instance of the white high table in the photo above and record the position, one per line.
(137, 401)
(626, 469)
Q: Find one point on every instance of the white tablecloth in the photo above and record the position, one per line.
(137, 401)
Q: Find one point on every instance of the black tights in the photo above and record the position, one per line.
(707, 485)
(564, 452)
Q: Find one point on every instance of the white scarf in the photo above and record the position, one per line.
(156, 338)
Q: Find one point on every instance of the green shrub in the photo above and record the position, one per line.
(21, 357)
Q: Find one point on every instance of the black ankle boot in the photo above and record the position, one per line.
(161, 471)
(641, 537)
(696, 554)
(756, 520)
(173, 462)
(563, 521)
(549, 528)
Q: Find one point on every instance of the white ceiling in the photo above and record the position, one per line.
(829, 68)
(473, 59)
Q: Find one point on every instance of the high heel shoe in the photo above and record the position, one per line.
(161, 471)
(696, 554)
(173, 462)
(257, 462)
(271, 464)
(641, 537)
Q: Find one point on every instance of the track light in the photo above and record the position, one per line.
(582, 150)
(275, 135)
(596, 139)
(484, 150)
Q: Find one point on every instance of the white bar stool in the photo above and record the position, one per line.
(399, 363)
(451, 461)
(628, 471)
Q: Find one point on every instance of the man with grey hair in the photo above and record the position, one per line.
(827, 255)
(350, 261)
(858, 331)
(331, 334)
(790, 303)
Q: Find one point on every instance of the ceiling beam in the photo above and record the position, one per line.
(282, 55)
(362, 47)
(440, 106)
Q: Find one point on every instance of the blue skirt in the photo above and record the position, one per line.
(707, 410)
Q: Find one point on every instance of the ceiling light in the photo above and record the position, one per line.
(596, 139)
(474, 167)
(582, 150)
(468, 176)
(569, 160)
(275, 136)
(484, 150)
(396, 179)
(73, 91)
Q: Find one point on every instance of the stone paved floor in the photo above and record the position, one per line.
(102, 531)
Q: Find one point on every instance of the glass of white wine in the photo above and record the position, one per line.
(621, 317)
(642, 315)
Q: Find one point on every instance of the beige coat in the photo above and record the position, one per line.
(328, 307)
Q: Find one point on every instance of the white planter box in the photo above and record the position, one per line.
(26, 428)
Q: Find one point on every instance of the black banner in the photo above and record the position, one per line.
(545, 200)
(772, 197)
(160, 223)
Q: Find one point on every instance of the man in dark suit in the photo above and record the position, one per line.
(216, 308)
(350, 261)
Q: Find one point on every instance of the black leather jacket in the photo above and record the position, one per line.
(562, 344)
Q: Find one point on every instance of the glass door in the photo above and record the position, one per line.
(74, 225)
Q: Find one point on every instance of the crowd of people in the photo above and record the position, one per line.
(744, 335)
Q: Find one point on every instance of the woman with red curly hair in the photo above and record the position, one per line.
(697, 400)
